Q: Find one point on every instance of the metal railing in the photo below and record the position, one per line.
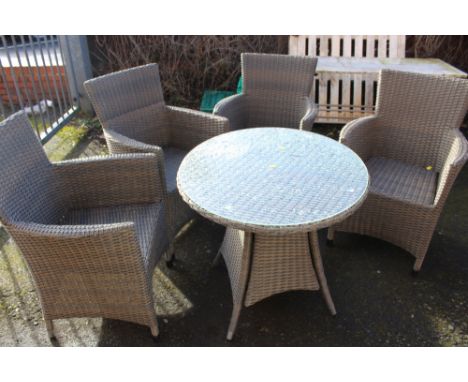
(33, 78)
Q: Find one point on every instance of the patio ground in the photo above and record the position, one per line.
(379, 302)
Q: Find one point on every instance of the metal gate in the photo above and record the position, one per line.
(33, 77)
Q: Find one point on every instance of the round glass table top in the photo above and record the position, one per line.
(273, 179)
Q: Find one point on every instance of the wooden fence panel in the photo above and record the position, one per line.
(332, 107)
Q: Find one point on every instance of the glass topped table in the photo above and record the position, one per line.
(273, 188)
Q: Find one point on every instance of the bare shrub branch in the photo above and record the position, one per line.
(188, 64)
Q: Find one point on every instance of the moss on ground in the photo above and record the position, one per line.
(72, 136)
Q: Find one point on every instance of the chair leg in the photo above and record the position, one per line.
(50, 330)
(154, 327)
(215, 261)
(417, 265)
(314, 246)
(330, 237)
(170, 256)
(234, 319)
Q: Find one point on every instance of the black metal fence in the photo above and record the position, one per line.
(33, 78)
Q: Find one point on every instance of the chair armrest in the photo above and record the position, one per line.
(234, 108)
(112, 180)
(121, 144)
(456, 155)
(54, 252)
(190, 127)
(69, 231)
(359, 134)
(307, 121)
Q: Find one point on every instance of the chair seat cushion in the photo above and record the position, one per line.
(149, 224)
(172, 159)
(399, 180)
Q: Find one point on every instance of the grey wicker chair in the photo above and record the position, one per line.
(131, 109)
(91, 230)
(414, 151)
(276, 93)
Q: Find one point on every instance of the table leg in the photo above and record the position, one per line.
(243, 283)
(234, 319)
(315, 249)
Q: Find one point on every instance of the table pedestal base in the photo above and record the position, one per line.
(261, 265)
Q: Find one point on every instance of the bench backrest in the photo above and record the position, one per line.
(375, 46)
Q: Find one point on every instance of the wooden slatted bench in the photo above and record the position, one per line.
(347, 71)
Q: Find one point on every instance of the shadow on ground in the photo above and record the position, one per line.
(379, 302)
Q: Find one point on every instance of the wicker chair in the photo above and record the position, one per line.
(131, 109)
(91, 230)
(414, 151)
(276, 93)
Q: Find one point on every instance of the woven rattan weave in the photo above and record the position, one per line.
(276, 92)
(91, 230)
(414, 151)
(130, 106)
(273, 188)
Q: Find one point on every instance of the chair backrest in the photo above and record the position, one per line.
(415, 111)
(277, 73)
(131, 101)
(28, 188)
(370, 46)
(276, 87)
(127, 90)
